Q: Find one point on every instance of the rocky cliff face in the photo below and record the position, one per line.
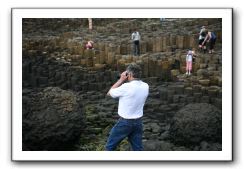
(56, 64)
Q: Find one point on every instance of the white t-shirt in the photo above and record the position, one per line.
(200, 36)
(132, 97)
(135, 36)
(189, 58)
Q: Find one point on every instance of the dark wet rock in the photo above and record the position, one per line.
(152, 145)
(164, 136)
(155, 128)
(195, 123)
(52, 120)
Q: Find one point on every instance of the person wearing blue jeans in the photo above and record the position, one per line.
(136, 37)
(126, 128)
(132, 97)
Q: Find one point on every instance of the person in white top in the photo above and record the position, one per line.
(132, 97)
(136, 37)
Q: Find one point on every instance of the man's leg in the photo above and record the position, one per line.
(187, 67)
(190, 67)
(135, 137)
(134, 48)
(138, 49)
(117, 134)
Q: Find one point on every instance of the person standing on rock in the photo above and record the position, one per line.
(132, 97)
(136, 43)
(189, 58)
(90, 24)
(162, 20)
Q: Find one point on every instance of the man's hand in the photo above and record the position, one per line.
(123, 77)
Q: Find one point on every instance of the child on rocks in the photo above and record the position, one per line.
(189, 58)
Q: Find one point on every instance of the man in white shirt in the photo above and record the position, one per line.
(136, 43)
(132, 96)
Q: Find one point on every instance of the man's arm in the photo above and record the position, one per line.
(205, 39)
(123, 77)
(139, 36)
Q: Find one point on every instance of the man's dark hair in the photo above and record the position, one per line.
(135, 70)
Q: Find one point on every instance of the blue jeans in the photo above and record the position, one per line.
(136, 47)
(131, 128)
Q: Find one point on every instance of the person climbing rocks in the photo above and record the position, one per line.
(211, 39)
(202, 35)
(89, 44)
(189, 59)
(136, 43)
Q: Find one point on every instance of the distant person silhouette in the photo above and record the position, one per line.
(136, 37)
(202, 35)
(89, 44)
(90, 24)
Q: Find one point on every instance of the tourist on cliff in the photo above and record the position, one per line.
(90, 24)
(162, 20)
(211, 39)
(189, 58)
(132, 96)
(89, 44)
(202, 35)
(136, 43)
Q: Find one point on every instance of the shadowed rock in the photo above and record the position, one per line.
(52, 120)
(195, 123)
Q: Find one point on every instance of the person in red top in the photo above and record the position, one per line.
(89, 44)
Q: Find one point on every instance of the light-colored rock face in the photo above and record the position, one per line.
(54, 55)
